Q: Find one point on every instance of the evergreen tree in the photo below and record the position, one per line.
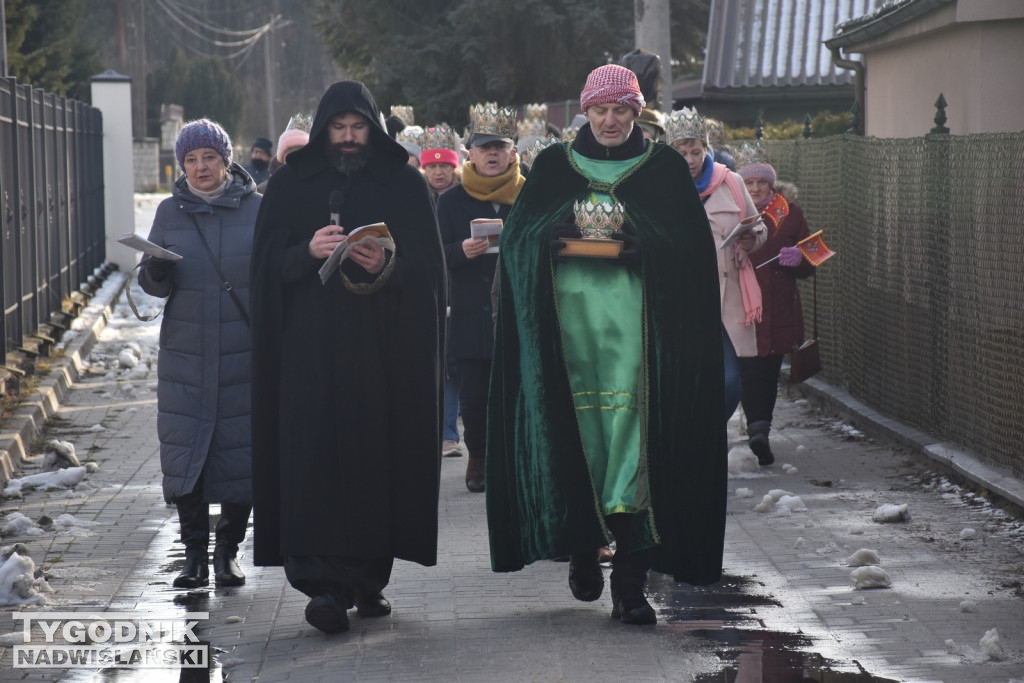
(443, 55)
(205, 89)
(47, 48)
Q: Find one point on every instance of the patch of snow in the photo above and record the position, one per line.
(968, 534)
(17, 581)
(863, 557)
(57, 454)
(63, 478)
(870, 577)
(17, 524)
(792, 504)
(968, 606)
(744, 493)
(742, 461)
(991, 646)
(889, 513)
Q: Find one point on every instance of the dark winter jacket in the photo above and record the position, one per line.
(203, 394)
(347, 380)
(471, 332)
(782, 323)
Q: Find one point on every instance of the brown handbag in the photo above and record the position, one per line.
(805, 359)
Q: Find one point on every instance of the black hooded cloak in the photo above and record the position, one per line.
(346, 380)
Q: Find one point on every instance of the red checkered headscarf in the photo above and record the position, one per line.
(612, 83)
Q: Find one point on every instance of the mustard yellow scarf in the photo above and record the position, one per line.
(502, 189)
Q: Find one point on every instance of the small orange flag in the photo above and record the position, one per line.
(815, 250)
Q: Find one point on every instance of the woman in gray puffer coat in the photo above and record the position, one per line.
(204, 361)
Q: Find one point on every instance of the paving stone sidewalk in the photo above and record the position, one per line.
(786, 605)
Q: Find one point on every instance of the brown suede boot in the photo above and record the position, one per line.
(475, 475)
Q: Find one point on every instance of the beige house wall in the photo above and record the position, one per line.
(972, 52)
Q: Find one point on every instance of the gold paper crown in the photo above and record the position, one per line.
(537, 111)
(537, 146)
(413, 134)
(685, 123)
(751, 153)
(303, 122)
(404, 112)
(716, 132)
(569, 133)
(490, 119)
(537, 128)
(440, 136)
(598, 221)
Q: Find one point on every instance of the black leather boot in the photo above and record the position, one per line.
(629, 575)
(629, 591)
(758, 442)
(230, 532)
(586, 580)
(475, 474)
(196, 571)
(194, 520)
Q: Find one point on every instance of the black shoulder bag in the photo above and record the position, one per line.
(216, 265)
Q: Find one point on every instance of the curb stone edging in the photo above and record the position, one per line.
(944, 453)
(21, 429)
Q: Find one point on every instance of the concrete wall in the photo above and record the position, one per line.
(975, 65)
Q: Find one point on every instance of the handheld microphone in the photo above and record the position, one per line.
(335, 201)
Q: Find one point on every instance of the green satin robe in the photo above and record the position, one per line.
(541, 498)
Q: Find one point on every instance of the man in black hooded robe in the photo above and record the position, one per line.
(347, 375)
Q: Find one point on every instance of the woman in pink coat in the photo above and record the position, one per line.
(726, 202)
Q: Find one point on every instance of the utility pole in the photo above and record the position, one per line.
(651, 24)
(3, 40)
(269, 67)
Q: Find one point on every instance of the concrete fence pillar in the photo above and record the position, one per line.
(112, 95)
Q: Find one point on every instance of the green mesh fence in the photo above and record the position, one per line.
(921, 312)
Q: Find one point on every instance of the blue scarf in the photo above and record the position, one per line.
(705, 174)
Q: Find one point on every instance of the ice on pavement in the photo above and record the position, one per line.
(891, 513)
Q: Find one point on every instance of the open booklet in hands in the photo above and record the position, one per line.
(139, 243)
(376, 231)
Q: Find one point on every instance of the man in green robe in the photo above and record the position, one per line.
(604, 418)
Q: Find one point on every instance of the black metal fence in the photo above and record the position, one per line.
(921, 312)
(51, 209)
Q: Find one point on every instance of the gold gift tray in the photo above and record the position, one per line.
(591, 247)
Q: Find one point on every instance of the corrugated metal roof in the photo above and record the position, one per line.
(773, 43)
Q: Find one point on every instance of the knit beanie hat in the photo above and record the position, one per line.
(289, 140)
(752, 162)
(762, 171)
(264, 144)
(199, 134)
(612, 83)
